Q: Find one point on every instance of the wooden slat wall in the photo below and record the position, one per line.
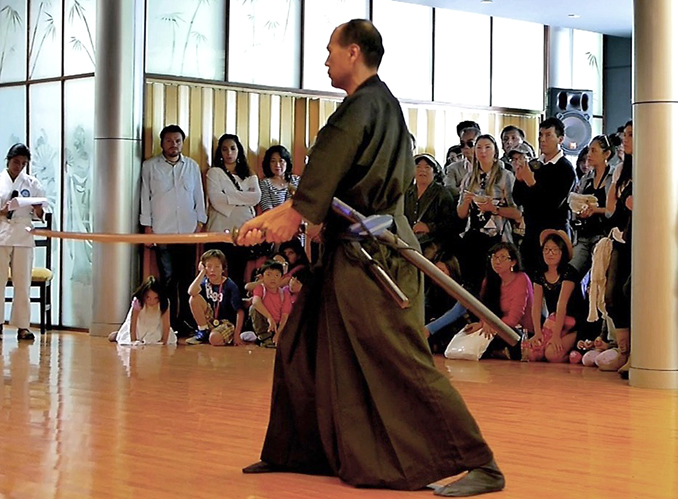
(261, 119)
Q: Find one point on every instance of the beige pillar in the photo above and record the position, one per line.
(119, 86)
(654, 327)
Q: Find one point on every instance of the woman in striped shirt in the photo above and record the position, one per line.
(275, 188)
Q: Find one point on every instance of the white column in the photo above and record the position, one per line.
(654, 326)
(119, 86)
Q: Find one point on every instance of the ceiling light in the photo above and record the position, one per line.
(573, 16)
(485, 1)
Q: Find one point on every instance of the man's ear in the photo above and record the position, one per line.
(561, 139)
(354, 51)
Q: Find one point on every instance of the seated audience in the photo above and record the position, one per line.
(148, 319)
(429, 207)
(271, 305)
(278, 179)
(542, 192)
(487, 207)
(233, 192)
(591, 223)
(506, 291)
(296, 284)
(295, 258)
(557, 291)
(215, 303)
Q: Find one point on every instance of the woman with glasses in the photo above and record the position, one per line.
(429, 207)
(486, 203)
(557, 289)
(506, 291)
(591, 223)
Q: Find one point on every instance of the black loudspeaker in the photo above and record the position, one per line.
(574, 109)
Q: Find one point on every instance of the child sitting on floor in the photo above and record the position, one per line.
(271, 305)
(148, 321)
(215, 303)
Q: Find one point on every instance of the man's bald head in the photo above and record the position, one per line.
(363, 33)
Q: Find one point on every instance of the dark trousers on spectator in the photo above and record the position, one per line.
(176, 263)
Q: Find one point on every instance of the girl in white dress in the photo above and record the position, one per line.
(148, 319)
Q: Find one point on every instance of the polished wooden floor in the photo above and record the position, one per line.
(83, 418)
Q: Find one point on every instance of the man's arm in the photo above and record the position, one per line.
(145, 215)
(199, 195)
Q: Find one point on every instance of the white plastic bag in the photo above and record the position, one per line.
(467, 346)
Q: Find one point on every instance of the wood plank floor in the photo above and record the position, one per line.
(82, 418)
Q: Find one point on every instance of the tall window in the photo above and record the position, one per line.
(517, 64)
(320, 19)
(264, 46)
(462, 58)
(186, 38)
(60, 133)
(406, 30)
(587, 65)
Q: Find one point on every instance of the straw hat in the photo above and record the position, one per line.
(562, 235)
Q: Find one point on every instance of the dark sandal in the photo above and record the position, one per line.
(25, 334)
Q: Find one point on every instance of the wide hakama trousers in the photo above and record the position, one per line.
(355, 390)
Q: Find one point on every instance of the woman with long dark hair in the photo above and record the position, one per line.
(620, 207)
(591, 223)
(486, 203)
(233, 192)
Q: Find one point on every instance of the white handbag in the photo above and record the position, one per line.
(467, 346)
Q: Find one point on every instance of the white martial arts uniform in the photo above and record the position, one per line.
(16, 245)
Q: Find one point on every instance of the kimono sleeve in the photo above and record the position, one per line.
(331, 158)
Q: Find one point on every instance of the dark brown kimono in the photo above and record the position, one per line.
(355, 390)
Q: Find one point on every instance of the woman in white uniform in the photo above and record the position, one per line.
(16, 244)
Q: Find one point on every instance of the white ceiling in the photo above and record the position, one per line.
(611, 17)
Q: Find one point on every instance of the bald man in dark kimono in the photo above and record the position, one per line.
(355, 390)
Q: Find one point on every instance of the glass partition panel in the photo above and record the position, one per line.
(13, 21)
(264, 42)
(76, 296)
(320, 19)
(517, 64)
(406, 30)
(462, 58)
(79, 31)
(186, 38)
(44, 39)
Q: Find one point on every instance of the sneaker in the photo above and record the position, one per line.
(201, 336)
(25, 334)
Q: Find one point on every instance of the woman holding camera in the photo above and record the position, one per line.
(591, 223)
(486, 203)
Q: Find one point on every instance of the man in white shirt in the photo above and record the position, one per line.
(173, 202)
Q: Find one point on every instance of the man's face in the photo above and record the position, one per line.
(468, 141)
(172, 144)
(510, 140)
(549, 141)
(339, 63)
